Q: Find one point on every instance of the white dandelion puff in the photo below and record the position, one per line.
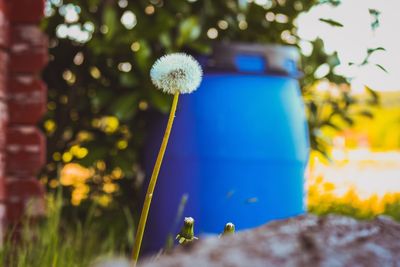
(176, 73)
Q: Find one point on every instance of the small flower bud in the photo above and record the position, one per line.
(229, 229)
(186, 235)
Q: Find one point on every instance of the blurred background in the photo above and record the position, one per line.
(100, 92)
(100, 98)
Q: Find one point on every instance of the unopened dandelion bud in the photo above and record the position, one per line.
(229, 229)
(186, 235)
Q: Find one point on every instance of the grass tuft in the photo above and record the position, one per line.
(53, 242)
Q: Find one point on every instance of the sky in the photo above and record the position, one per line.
(352, 41)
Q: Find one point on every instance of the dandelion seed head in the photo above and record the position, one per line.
(176, 72)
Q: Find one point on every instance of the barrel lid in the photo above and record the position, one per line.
(253, 58)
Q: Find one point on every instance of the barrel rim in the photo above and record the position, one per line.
(281, 60)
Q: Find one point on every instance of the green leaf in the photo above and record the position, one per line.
(348, 120)
(189, 30)
(372, 50)
(375, 16)
(96, 152)
(375, 97)
(128, 80)
(159, 100)
(332, 2)
(366, 113)
(381, 67)
(93, 3)
(331, 125)
(101, 98)
(374, 12)
(142, 56)
(124, 160)
(110, 19)
(332, 22)
(125, 106)
(200, 47)
(165, 40)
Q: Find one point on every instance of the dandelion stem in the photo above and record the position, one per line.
(153, 181)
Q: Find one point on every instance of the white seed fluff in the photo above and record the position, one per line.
(176, 72)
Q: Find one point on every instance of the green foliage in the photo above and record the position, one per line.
(375, 15)
(332, 22)
(350, 209)
(106, 74)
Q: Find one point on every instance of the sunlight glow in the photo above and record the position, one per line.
(129, 20)
(356, 36)
(369, 172)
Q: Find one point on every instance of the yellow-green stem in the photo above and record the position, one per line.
(152, 184)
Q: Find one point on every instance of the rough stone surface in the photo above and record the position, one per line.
(302, 241)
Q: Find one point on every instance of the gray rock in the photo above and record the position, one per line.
(302, 241)
(115, 262)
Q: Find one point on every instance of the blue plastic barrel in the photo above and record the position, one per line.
(238, 148)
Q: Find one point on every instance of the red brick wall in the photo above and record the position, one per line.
(23, 54)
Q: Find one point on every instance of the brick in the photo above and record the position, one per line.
(26, 11)
(3, 216)
(2, 165)
(27, 99)
(28, 44)
(4, 24)
(25, 150)
(24, 197)
(3, 124)
(2, 189)
(2, 176)
(3, 73)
